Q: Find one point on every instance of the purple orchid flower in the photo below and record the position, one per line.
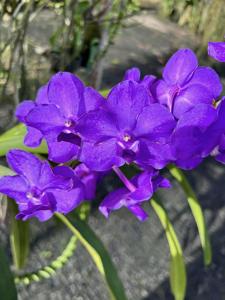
(217, 50)
(219, 151)
(64, 101)
(127, 125)
(90, 179)
(199, 133)
(33, 137)
(38, 190)
(134, 74)
(216, 134)
(138, 190)
(185, 84)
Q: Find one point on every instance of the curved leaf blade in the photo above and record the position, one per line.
(13, 138)
(19, 237)
(178, 280)
(98, 253)
(7, 286)
(196, 211)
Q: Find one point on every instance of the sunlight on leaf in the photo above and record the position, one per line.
(13, 138)
(19, 237)
(196, 211)
(177, 264)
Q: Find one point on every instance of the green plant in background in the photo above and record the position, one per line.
(7, 286)
(204, 17)
(19, 237)
(87, 30)
(83, 31)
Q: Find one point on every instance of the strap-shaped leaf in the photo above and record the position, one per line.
(177, 264)
(19, 237)
(99, 255)
(196, 211)
(7, 286)
(14, 137)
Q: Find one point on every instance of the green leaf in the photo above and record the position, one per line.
(14, 137)
(177, 265)
(4, 171)
(7, 286)
(98, 253)
(196, 211)
(82, 211)
(104, 92)
(3, 207)
(19, 237)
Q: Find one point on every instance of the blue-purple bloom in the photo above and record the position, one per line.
(185, 84)
(128, 128)
(62, 102)
(89, 178)
(39, 190)
(134, 74)
(217, 50)
(138, 190)
(33, 137)
(189, 93)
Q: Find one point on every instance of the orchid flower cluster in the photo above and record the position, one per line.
(150, 123)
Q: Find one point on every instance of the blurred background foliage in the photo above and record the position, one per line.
(204, 17)
(78, 35)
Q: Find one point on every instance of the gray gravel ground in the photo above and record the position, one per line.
(140, 250)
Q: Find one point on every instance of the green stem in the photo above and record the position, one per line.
(19, 237)
(98, 254)
(196, 211)
(51, 269)
(178, 280)
(69, 225)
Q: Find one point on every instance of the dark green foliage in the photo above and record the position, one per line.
(7, 287)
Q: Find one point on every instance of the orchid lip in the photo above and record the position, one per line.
(70, 137)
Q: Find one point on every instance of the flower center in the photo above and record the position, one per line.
(69, 126)
(29, 195)
(34, 195)
(68, 123)
(126, 137)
